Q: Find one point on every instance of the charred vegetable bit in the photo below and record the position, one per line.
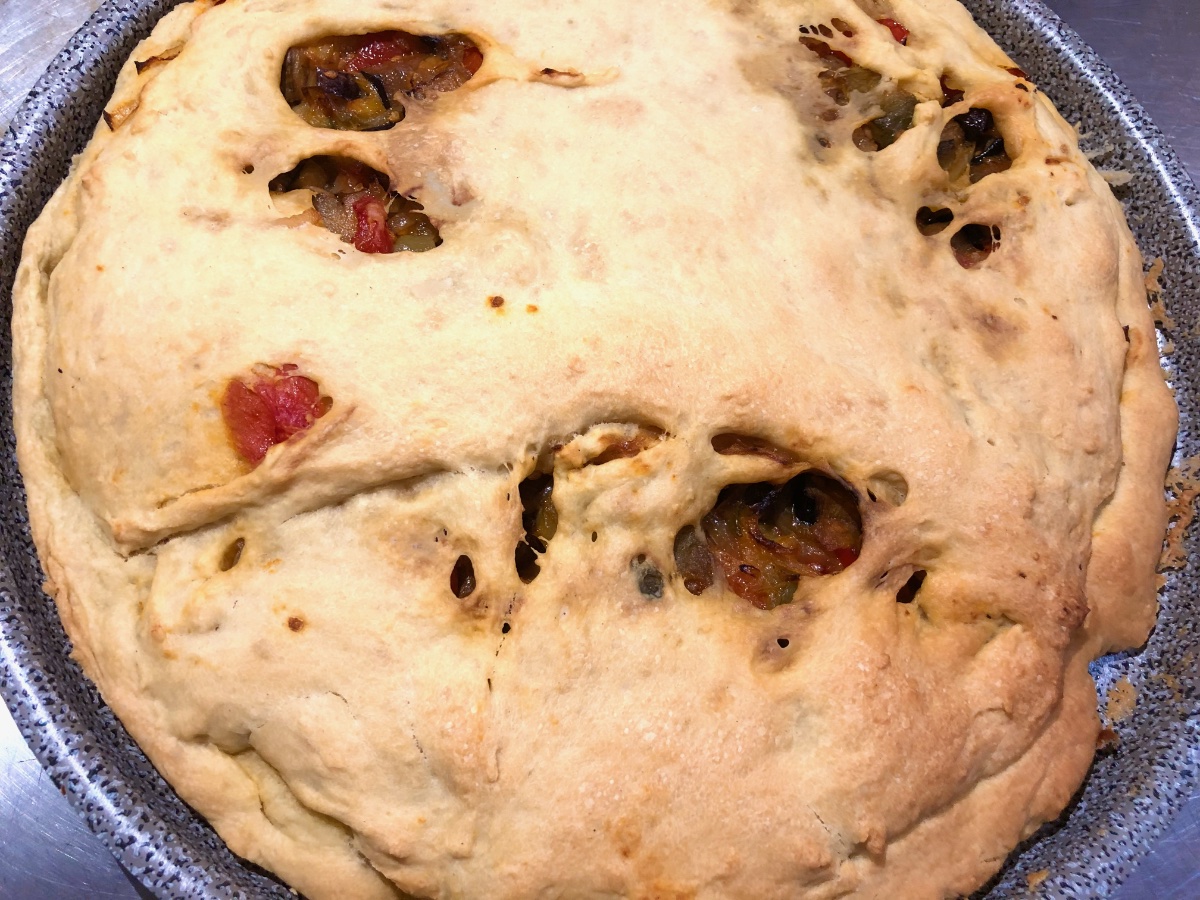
(693, 560)
(353, 201)
(972, 144)
(766, 537)
(359, 82)
(276, 405)
(539, 519)
(841, 77)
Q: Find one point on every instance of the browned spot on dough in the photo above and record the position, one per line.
(495, 302)
(626, 834)
(531, 307)
(295, 623)
(568, 78)
(996, 332)
(1054, 161)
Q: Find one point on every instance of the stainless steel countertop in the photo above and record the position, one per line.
(46, 851)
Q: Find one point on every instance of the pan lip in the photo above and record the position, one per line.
(74, 735)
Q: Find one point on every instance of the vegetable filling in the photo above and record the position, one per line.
(764, 538)
(361, 82)
(971, 144)
(353, 201)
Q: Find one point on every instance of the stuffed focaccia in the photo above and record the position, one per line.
(676, 449)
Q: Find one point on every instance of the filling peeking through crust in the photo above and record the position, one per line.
(354, 202)
(763, 538)
(361, 82)
(273, 406)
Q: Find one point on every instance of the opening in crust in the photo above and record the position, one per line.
(971, 145)
(763, 538)
(973, 244)
(732, 444)
(908, 592)
(540, 521)
(361, 82)
(462, 577)
(933, 221)
(353, 200)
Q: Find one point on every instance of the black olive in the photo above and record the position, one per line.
(976, 123)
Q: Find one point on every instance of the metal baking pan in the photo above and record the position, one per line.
(1131, 794)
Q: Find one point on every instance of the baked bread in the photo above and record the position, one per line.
(611, 450)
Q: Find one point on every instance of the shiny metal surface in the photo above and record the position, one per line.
(45, 849)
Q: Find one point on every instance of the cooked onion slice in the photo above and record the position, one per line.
(766, 537)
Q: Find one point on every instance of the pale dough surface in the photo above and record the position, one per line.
(676, 248)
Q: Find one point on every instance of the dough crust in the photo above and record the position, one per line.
(683, 243)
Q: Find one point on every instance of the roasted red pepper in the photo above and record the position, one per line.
(899, 32)
(279, 404)
(371, 233)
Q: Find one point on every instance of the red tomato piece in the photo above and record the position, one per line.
(472, 59)
(371, 233)
(384, 47)
(295, 402)
(899, 32)
(279, 406)
(250, 421)
(845, 555)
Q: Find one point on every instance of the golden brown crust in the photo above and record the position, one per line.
(683, 244)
